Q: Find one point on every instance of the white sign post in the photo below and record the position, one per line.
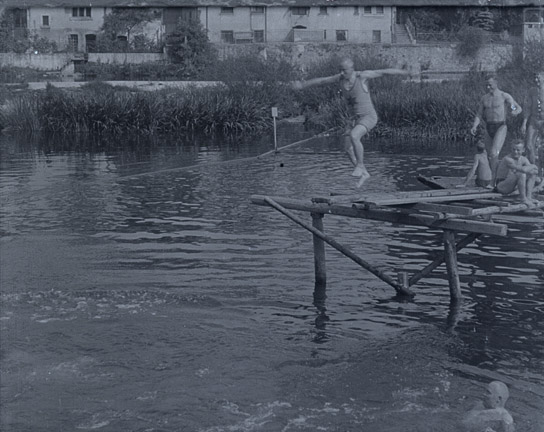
(274, 115)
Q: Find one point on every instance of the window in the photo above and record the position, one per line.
(227, 36)
(227, 10)
(379, 10)
(90, 42)
(257, 9)
(341, 35)
(73, 42)
(45, 20)
(376, 36)
(355, 10)
(81, 12)
(258, 36)
(19, 16)
(324, 34)
(322, 10)
(300, 11)
(367, 10)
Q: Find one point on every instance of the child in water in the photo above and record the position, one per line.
(490, 416)
(480, 168)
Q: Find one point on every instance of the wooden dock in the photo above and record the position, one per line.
(461, 214)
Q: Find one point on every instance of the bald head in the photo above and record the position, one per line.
(347, 62)
(346, 68)
(500, 388)
(497, 394)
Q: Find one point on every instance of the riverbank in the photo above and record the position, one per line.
(243, 102)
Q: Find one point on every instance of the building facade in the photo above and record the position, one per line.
(74, 24)
(355, 24)
(75, 27)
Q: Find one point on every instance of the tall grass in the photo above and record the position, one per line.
(20, 113)
(104, 109)
(425, 110)
(441, 110)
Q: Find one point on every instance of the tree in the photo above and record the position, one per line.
(426, 20)
(8, 40)
(188, 44)
(484, 19)
(122, 21)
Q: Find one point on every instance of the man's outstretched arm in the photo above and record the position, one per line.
(299, 85)
(377, 73)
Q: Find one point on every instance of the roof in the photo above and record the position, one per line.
(228, 3)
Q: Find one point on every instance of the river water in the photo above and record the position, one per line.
(142, 291)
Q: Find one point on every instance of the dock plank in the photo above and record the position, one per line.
(392, 201)
(439, 208)
(411, 195)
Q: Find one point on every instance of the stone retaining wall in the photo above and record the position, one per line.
(59, 61)
(433, 57)
(441, 58)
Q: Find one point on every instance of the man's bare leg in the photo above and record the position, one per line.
(362, 179)
(348, 148)
(530, 185)
(530, 139)
(360, 170)
(496, 147)
(522, 184)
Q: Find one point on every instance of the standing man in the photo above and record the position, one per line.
(354, 86)
(534, 117)
(492, 111)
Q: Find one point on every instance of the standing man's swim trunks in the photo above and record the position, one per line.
(493, 127)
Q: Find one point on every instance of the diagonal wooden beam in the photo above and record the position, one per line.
(342, 249)
(427, 270)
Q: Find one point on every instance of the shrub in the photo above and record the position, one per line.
(42, 45)
(471, 39)
(188, 45)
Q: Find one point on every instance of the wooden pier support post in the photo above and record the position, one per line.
(450, 256)
(402, 277)
(344, 250)
(319, 254)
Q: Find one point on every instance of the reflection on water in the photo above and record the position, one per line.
(142, 291)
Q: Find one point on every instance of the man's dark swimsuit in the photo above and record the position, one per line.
(359, 99)
(493, 127)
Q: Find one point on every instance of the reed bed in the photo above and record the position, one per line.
(21, 113)
(103, 109)
(405, 109)
(440, 110)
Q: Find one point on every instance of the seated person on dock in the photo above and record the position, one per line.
(516, 172)
(480, 168)
(490, 415)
